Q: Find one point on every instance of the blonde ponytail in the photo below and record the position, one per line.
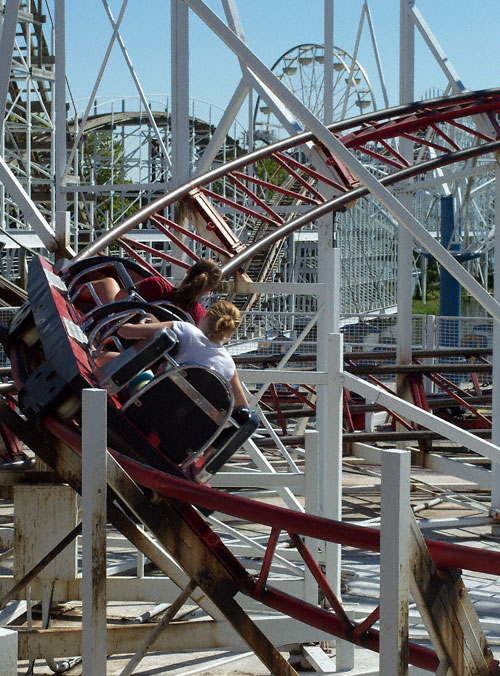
(222, 320)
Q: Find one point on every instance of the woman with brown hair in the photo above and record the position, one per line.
(200, 279)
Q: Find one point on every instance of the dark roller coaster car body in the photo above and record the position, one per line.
(182, 422)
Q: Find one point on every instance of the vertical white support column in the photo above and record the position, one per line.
(329, 396)
(331, 470)
(406, 51)
(405, 239)
(7, 40)
(94, 443)
(329, 275)
(328, 63)
(394, 573)
(141, 559)
(180, 89)
(179, 85)
(344, 656)
(8, 652)
(495, 400)
(311, 504)
(63, 230)
(61, 225)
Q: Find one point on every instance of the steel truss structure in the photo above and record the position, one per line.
(242, 213)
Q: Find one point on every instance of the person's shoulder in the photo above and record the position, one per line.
(155, 284)
(186, 328)
(196, 311)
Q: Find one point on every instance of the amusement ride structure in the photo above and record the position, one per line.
(324, 216)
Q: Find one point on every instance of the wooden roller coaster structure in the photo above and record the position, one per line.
(51, 361)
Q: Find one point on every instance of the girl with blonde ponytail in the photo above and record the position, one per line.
(221, 321)
(203, 344)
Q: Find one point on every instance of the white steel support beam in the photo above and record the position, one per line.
(376, 395)
(406, 52)
(329, 14)
(31, 213)
(350, 80)
(495, 366)
(62, 220)
(329, 395)
(179, 27)
(394, 573)
(451, 74)
(405, 240)
(346, 157)
(455, 83)
(263, 464)
(289, 122)
(179, 87)
(377, 55)
(311, 494)
(94, 452)
(329, 416)
(59, 104)
(7, 41)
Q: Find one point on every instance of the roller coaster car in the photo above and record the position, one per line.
(181, 421)
(82, 279)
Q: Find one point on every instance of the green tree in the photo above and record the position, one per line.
(103, 163)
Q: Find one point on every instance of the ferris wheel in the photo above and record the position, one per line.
(301, 69)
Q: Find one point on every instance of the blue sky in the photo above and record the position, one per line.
(467, 31)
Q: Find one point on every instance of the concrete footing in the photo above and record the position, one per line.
(8, 652)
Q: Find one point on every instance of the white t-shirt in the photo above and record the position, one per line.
(196, 348)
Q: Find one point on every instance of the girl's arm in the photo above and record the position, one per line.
(142, 330)
(238, 391)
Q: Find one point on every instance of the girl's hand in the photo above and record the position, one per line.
(127, 330)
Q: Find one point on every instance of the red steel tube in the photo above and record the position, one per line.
(445, 555)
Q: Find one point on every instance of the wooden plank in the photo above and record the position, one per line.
(447, 611)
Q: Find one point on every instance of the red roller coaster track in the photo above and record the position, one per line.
(446, 131)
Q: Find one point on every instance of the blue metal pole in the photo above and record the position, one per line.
(449, 295)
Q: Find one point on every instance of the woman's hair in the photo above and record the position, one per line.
(222, 320)
(203, 276)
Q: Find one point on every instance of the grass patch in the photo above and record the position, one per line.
(431, 307)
